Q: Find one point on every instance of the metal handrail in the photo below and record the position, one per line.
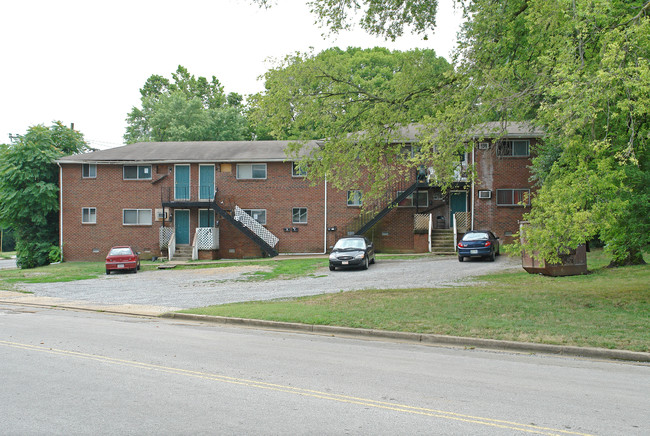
(187, 193)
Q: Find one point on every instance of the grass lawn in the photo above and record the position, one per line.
(608, 308)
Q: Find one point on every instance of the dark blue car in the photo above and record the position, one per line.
(478, 243)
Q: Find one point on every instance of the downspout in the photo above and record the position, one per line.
(473, 179)
(60, 209)
(324, 232)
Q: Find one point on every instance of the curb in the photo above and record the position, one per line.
(422, 338)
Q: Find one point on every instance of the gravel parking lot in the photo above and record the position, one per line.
(164, 290)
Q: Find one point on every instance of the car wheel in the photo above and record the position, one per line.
(460, 258)
(492, 256)
(365, 263)
(138, 267)
(373, 260)
(332, 268)
(107, 272)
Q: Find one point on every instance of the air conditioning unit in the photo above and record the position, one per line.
(485, 194)
(484, 146)
(162, 214)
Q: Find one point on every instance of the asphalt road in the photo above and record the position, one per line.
(67, 372)
(166, 290)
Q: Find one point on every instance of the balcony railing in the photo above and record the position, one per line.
(187, 193)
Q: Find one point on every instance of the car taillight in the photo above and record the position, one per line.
(461, 245)
(488, 243)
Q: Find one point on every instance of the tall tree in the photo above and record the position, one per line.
(578, 69)
(186, 109)
(29, 188)
(335, 93)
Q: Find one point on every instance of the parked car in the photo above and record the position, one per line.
(478, 243)
(122, 258)
(352, 251)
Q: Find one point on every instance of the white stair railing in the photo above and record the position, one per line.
(171, 246)
(256, 227)
(195, 247)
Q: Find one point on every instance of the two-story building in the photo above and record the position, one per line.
(244, 199)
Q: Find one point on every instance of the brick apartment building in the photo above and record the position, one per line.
(244, 199)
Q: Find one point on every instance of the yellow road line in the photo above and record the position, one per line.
(526, 428)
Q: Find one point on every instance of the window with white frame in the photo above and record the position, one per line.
(421, 199)
(89, 215)
(513, 197)
(354, 198)
(251, 171)
(258, 215)
(137, 172)
(299, 215)
(136, 217)
(89, 171)
(514, 148)
(297, 171)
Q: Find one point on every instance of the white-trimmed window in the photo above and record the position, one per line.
(137, 172)
(514, 148)
(296, 171)
(89, 171)
(251, 171)
(513, 197)
(136, 217)
(299, 215)
(422, 199)
(88, 215)
(258, 215)
(355, 198)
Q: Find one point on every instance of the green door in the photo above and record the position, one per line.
(457, 203)
(206, 182)
(182, 225)
(182, 182)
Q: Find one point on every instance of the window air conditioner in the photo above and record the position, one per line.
(484, 194)
(162, 214)
(484, 146)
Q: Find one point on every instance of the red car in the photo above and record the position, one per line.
(122, 258)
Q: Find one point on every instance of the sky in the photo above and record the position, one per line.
(83, 62)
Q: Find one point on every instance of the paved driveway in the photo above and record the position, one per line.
(164, 290)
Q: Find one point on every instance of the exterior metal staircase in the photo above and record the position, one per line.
(244, 223)
(369, 219)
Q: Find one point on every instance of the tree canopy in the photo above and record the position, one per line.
(29, 176)
(356, 98)
(578, 69)
(186, 108)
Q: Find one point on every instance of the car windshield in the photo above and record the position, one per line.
(122, 251)
(356, 243)
(479, 236)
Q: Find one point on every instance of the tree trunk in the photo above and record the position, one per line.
(633, 257)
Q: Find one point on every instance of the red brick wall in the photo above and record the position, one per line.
(497, 172)
(109, 194)
(277, 194)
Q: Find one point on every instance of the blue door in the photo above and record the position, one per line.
(206, 182)
(182, 182)
(182, 225)
(457, 203)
